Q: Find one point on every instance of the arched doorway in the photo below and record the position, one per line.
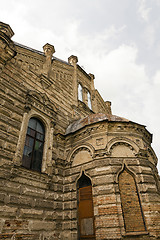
(86, 229)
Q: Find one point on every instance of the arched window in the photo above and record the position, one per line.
(80, 92)
(89, 100)
(131, 205)
(33, 149)
(85, 208)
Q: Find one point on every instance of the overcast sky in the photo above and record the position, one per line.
(116, 40)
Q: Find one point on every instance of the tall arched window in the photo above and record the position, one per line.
(85, 209)
(33, 149)
(80, 92)
(89, 100)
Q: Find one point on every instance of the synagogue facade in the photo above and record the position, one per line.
(69, 168)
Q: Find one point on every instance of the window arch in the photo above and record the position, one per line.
(130, 201)
(89, 100)
(85, 208)
(34, 143)
(80, 92)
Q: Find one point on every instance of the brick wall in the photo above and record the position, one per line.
(131, 206)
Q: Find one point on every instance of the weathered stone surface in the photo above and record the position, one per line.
(78, 138)
(41, 226)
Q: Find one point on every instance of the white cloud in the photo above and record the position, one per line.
(149, 35)
(143, 10)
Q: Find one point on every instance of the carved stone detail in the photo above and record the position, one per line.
(101, 153)
(40, 101)
(48, 51)
(79, 150)
(7, 47)
(45, 81)
(142, 153)
(73, 60)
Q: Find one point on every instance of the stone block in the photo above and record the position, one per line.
(103, 180)
(33, 191)
(2, 197)
(21, 200)
(49, 215)
(44, 204)
(31, 213)
(41, 226)
(8, 211)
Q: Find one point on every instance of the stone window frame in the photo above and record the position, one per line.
(48, 141)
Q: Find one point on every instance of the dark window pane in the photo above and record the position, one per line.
(26, 162)
(29, 142)
(31, 132)
(39, 128)
(37, 156)
(40, 136)
(27, 155)
(27, 151)
(32, 123)
(38, 146)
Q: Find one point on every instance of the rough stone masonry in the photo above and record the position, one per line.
(69, 168)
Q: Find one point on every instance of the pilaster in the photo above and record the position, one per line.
(73, 61)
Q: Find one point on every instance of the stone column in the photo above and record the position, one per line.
(85, 95)
(73, 61)
(92, 81)
(93, 98)
(48, 51)
(108, 107)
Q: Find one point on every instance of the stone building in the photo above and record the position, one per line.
(69, 168)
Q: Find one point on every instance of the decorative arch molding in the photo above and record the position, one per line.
(48, 141)
(155, 175)
(83, 147)
(41, 102)
(122, 141)
(80, 174)
(153, 155)
(125, 165)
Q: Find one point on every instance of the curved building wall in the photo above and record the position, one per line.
(124, 202)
